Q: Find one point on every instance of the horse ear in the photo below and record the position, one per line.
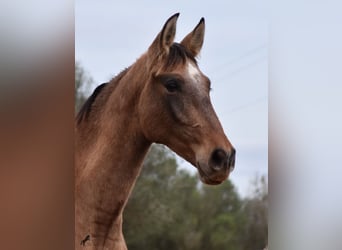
(164, 39)
(194, 40)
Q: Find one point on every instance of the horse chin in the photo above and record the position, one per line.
(206, 179)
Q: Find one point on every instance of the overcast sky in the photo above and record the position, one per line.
(111, 35)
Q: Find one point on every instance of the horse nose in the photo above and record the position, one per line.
(221, 160)
(231, 160)
(218, 159)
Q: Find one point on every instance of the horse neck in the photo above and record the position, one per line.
(108, 168)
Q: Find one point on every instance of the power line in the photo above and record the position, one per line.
(232, 73)
(235, 72)
(249, 52)
(247, 105)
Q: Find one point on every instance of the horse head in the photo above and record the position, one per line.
(175, 107)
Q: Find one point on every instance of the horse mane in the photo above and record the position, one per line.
(87, 107)
(177, 54)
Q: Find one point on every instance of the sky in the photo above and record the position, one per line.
(305, 124)
(111, 35)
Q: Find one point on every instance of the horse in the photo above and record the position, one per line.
(162, 98)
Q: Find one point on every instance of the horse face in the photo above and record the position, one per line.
(175, 108)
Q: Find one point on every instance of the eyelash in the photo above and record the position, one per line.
(172, 85)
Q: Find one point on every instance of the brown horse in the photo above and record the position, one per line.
(164, 98)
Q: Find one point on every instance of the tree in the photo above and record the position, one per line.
(256, 214)
(170, 209)
(222, 218)
(155, 215)
(82, 84)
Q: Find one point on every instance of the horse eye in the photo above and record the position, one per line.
(171, 85)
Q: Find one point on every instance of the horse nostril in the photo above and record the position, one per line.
(218, 159)
(231, 159)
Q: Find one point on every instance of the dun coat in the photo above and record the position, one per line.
(163, 98)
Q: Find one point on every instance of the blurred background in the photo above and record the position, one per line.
(169, 207)
(37, 68)
(305, 121)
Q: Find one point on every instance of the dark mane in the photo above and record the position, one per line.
(178, 54)
(86, 107)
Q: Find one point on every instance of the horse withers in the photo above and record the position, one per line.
(164, 98)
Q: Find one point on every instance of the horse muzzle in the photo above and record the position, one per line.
(218, 167)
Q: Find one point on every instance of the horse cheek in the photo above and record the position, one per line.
(176, 109)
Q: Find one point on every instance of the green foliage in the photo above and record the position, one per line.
(222, 218)
(153, 218)
(82, 83)
(170, 209)
(256, 212)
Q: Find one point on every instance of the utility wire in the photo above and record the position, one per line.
(249, 52)
(247, 105)
(237, 71)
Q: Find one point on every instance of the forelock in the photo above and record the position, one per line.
(178, 54)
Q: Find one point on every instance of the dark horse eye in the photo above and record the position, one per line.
(171, 85)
